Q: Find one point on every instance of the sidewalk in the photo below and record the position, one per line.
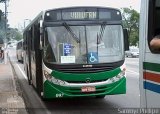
(10, 101)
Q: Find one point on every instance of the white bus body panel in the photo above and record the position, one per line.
(148, 98)
(142, 37)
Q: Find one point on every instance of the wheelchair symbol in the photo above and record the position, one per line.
(92, 58)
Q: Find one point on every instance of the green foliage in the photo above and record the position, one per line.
(14, 34)
(131, 22)
(11, 33)
(2, 0)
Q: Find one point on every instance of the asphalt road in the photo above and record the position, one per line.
(112, 104)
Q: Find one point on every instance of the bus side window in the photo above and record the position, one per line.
(154, 26)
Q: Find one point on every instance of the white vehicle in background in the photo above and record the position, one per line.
(11, 44)
(149, 58)
(132, 52)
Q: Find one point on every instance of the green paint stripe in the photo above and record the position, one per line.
(151, 66)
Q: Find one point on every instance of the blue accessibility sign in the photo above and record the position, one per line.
(67, 49)
(93, 57)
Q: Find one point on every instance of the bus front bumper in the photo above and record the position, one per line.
(51, 90)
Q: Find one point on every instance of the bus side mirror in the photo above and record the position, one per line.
(41, 34)
(41, 41)
(126, 39)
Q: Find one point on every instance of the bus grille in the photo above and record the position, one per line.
(85, 70)
(78, 68)
(92, 81)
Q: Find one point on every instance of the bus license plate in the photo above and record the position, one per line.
(88, 89)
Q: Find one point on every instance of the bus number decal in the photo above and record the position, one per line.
(58, 95)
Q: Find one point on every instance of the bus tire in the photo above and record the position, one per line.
(29, 80)
(100, 97)
(45, 99)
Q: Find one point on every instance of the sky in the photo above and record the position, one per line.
(20, 11)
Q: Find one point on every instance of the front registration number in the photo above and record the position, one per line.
(88, 89)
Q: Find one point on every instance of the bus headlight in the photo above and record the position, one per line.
(53, 79)
(121, 74)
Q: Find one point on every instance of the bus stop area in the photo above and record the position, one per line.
(10, 99)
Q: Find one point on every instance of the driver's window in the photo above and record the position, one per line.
(154, 26)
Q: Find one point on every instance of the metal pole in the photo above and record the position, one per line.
(5, 38)
(6, 20)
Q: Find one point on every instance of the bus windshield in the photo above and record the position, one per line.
(83, 44)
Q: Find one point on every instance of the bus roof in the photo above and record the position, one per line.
(78, 7)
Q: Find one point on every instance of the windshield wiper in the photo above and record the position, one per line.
(100, 34)
(71, 32)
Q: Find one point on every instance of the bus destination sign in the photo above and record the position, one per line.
(83, 15)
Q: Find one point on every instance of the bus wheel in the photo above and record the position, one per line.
(45, 99)
(100, 97)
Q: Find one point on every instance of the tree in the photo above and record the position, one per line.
(1, 14)
(131, 22)
(2, 25)
(14, 34)
(2, 0)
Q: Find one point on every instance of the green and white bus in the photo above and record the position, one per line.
(76, 52)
